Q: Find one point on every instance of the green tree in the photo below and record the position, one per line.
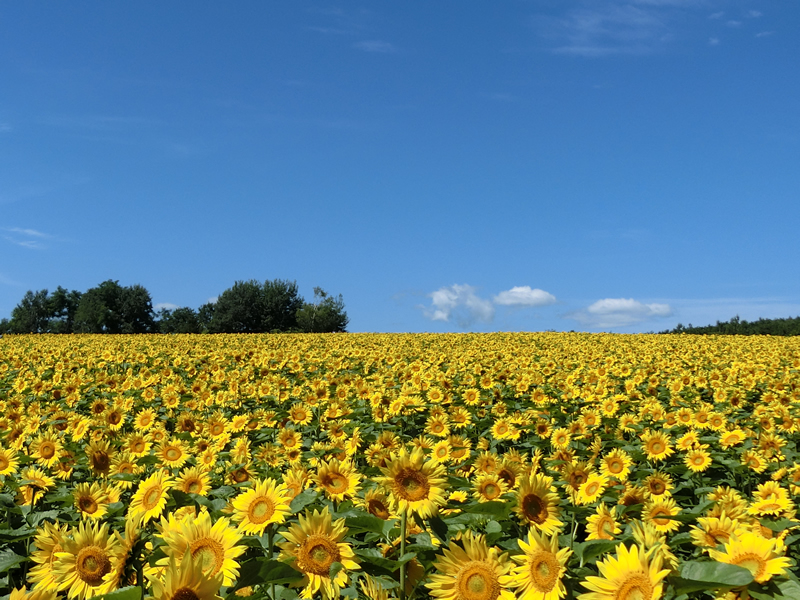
(63, 306)
(32, 314)
(179, 320)
(325, 315)
(205, 314)
(252, 307)
(111, 308)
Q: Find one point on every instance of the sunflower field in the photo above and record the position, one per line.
(454, 467)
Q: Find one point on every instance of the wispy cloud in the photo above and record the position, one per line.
(717, 15)
(98, 122)
(611, 313)
(27, 238)
(754, 14)
(604, 28)
(733, 23)
(524, 296)
(761, 34)
(713, 41)
(375, 46)
(7, 281)
(461, 304)
(5, 127)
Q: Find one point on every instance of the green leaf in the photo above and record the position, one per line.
(439, 528)
(780, 525)
(493, 527)
(334, 569)
(302, 500)
(365, 522)
(13, 535)
(132, 592)
(264, 571)
(588, 551)
(495, 508)
(710, 575)
(9, 559)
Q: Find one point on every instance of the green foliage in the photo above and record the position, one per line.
(179, 320)
(42, 312)
(737, 326)
(111, 308)
(251, 307)
(325, 315)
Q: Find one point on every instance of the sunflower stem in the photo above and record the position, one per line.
(270, 543)
(403, 523)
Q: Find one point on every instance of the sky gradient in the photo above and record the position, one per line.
(596, 165)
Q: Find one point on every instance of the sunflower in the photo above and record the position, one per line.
(45, 449)
(144, 419)
(698, 460)
(654, 543)
(413, 483)
(338, 479)
(214, 546)
(151, 497)
(539, 570)
(629, 575)
(762, 557)
(656, 445)
(732, 438)
(441, 451)
(49, 541)
(560, 438)
(137, 445)
(267, 502)
(36, 594)
(100, 454)
(376, 503)
(616, 464)
(602, 525)
(470, 571)
(313, 545)
(488, 487)
(658, 513)
(186, 581)
(714, 531)
(172, 453)
(658, 484)
(591, 490)
(373, 589)
(91, 501)
(537, 504)
(193, 480)
(8, 461)
(38, 483)
(88, 557)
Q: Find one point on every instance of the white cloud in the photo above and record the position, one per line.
(764, 33)
(165, 305)
(754, 14)
(5, 127)
(619, 312)
(27, 238)
(713, 41)
(375, 46)
(524, 296)
(212, 300)
(716, 15)
(459, 303)
(733, 23)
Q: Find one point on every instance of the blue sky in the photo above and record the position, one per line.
(445, 166)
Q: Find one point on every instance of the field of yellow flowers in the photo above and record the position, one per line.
(456, 467)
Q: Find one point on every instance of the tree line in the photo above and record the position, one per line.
(246, 307)
(737, 326)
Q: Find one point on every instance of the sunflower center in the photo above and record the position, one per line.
(319, 552)
(605, 528)
(193, 486)
(335, 483)
(47, 450)
(544, 571)
(185, 593)
(752, 562)
(378, 508)
(100, 460)
(210, 552)
(138, 446)
(534, 509)
(151, 497)
(491, 491)
(659, 517)
(615, 466)
(92, 564)
(477, 581)
(592, 488)
(636, 587)
(261, 510)
(87, 504)
(411, 484)
(657, 487)
(4, 463)
(173, 453)
(656, 447)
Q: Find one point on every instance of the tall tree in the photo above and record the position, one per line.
(280, 303)
(325, 315)
(111, 308)
(32, 314)
(238, 309)
(179, 320)
(63, 306)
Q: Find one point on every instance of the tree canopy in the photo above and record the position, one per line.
(737, 326)
(246, 307)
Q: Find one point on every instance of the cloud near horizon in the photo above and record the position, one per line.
(619, 312)
(462, 304)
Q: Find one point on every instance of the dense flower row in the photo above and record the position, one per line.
(460, 467)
